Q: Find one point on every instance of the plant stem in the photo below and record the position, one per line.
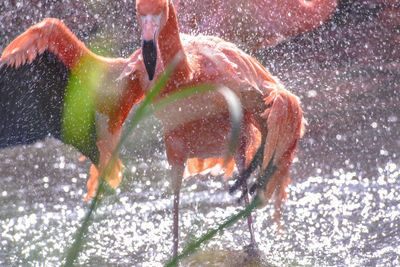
(207, 236)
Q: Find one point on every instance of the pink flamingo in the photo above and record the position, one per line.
(253, 24)
(196, 129)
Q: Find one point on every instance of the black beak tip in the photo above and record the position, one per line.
(149, 51)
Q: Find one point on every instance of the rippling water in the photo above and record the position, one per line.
(331, 219)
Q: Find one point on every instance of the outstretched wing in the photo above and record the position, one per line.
(31, 100)
(50, 85)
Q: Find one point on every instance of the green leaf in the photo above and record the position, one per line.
(210, 234)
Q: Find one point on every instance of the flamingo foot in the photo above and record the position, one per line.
(242, 179)
(253, 251)
(113, 178)
(263, 179)
(92, 183)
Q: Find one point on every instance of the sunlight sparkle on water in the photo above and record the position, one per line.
(330, 218)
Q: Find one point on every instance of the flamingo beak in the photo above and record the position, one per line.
(149, 51)
(150, 25)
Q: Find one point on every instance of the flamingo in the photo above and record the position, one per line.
(196, 129)
(34, 107)
(265, 22)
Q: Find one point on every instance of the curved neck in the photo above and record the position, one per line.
(170, 43)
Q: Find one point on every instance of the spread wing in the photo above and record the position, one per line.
(31, 100)
(50, 85)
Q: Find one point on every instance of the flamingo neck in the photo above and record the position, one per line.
(170, 44)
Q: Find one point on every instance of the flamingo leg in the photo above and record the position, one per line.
(255, 162)
(176, 186)
(253, 245)
(240, 158)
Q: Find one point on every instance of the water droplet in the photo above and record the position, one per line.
(133, 169)
(312, 93)
(392, 119)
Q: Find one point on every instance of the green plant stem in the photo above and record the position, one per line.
(73, 251)
(75, 248)
(207, 236)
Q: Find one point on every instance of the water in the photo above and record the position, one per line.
(343, 207)
(337, 219)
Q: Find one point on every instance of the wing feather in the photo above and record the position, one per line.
(31, 100)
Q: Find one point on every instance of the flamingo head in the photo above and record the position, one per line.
(152, 16)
